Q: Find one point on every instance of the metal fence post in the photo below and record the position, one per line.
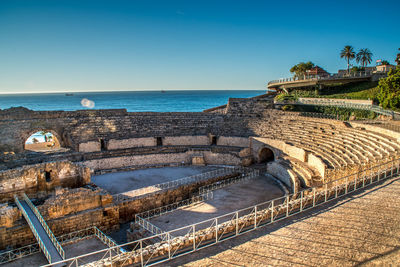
(355, 181)
(391, 170)
(313, 203)
(169, 246)
(237, 223)
(301, 201)
(272, 211)
(216, 230)
(336, 189)
(255, 216)
(364, 175)
(370, 175)
(194, 237)
(141, 253)
(326, 192)
(379, 173)
(287, 206)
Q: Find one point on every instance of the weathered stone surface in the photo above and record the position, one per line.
(8, 215)
(40, 179)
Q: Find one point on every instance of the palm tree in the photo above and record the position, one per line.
(347, 53)
(364, 57)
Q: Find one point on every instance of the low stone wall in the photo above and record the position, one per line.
(285, 175)
(201, 140)
(161, 158)
(131, 142)
(91, 146)
(40, 179)
(249, 105)
(318, 164)
(233, 141)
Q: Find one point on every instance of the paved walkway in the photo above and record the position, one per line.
(362, 229)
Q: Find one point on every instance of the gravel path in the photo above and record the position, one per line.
(362, 229)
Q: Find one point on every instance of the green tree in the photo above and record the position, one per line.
(300, 69)
(385, 62)
(347, 53)
(398, 59)
(389, 94)
(364, 56)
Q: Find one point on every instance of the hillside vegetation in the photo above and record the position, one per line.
(364, 90)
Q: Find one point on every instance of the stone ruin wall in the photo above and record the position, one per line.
(248, 106)
(162, 159)
(67, 211)
(41, 179)
(70, 210)
(82, 130)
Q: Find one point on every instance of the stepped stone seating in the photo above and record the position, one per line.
(326, 144)
(306, 174)
(338, 144)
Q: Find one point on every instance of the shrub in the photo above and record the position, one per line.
(389, 90)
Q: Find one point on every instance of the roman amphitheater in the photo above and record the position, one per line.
(118, 188)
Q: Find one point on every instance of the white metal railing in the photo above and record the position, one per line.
(341, 104)
(171, 207)
(226, 182)
(35, 233)
(18, 253)
(209, 232)
(360, 74)
(176, 183)
(108, 241)
(65, 239)
(142, 218)
(344, 104)
(145, 224)
(45, 226)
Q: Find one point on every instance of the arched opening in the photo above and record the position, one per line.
(42, 141)
(265, 155)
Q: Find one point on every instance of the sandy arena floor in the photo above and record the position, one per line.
(120, 182)
(71, 250)
(362, 229)
(225, 200)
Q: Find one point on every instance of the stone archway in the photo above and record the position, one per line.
(265, 155)
(54, 143)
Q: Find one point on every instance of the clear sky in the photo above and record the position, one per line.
(193, 44)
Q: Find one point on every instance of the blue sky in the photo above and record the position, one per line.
(52, 46)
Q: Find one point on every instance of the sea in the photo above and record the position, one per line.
(134, 101)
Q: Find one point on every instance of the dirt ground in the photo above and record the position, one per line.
(225, 200)
(71, 250)
(362, 229)
(121, 182)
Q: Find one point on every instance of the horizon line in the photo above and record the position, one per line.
(110, 91)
